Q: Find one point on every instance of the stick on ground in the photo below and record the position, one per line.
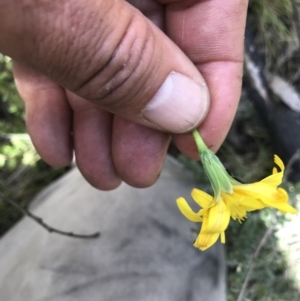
(40, 221)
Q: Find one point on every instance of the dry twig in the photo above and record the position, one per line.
(252, 263)
(288, 168)
(40, 221)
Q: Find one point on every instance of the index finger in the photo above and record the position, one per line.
(211, 33)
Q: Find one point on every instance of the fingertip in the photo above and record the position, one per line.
(92, 130)
(48, 116)
(60, 159)
(179, 105)
(134, 179)
(48, 123)
(105, 183)
(138, 152)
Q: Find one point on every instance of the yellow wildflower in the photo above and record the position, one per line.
(234, 201)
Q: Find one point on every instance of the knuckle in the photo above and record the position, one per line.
(124, 71)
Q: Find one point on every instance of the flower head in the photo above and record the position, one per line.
(231, 199)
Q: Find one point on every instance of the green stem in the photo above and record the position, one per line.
(199, 142)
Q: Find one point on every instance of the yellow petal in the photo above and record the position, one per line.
(206, 240)
(286, 208)
(268, 195)
(223, 240)
(214, 224)
(203, 212)
(281, 202)
(273, 180)
(186, 210)
(276, 178)
(279, 162)
(218, 218)
(249, 203)
(262, 192)
(282, 207)
(202, 198)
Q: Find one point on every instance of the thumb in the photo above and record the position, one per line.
(109, 53)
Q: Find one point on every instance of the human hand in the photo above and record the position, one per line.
(87, 70)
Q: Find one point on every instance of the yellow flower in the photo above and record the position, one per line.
(215, 215)
(231, 198)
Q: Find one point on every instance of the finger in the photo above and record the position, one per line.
(153, 10)
(219, 119)
(48, 115)
(212, 35)
(138, 152)
(109, 53)
(92, 130)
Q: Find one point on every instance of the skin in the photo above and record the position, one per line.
(59, 50)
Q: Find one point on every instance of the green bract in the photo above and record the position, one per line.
(216, 172)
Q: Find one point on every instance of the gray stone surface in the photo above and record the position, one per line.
(145, 251)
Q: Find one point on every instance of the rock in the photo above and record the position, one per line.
(144, 252)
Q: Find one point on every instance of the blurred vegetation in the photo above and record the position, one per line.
(12, 116)
(271, 279)
(276, 36)
(273, 21)
(275, 276)
(22, 173)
